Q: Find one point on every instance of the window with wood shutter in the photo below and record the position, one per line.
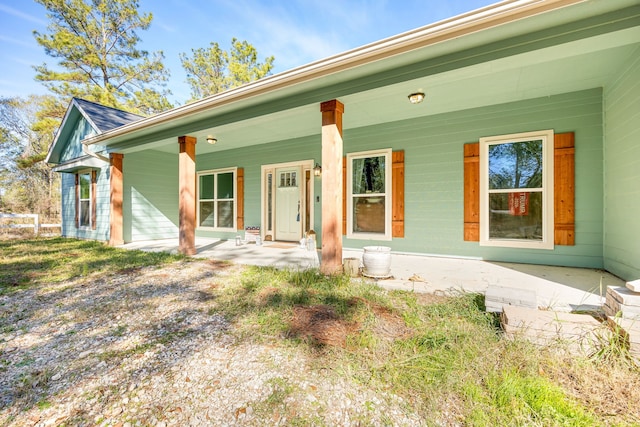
(396, 173)
(563, 215)
(85, 191)
(217, 199)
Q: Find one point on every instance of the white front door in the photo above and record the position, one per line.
(289, 209)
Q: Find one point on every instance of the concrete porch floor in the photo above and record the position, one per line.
(557, 288)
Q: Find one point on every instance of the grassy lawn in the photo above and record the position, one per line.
(35, 262)
(441, 354)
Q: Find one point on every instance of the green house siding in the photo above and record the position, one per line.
(434, 174)
(102, 207)
(150, 196)
(433, 148)
(252, 160)
(622, 173)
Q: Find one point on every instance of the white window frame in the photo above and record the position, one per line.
(387, 195)
(546, 136)
(80, 200)
(215, 173)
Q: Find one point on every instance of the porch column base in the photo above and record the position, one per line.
(187, 195)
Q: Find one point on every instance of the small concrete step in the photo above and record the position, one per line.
(622, 302)
(581, 333)
(624, 295)
(634, 286)
(497, 297)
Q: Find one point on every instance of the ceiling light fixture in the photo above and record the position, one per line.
(211, 140)
(416, 98)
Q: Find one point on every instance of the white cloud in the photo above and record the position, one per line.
(22, 15)
(30, 44)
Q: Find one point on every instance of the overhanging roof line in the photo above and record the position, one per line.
(490, 16)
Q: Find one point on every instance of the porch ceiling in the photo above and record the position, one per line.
(576, 66)
(536, 57)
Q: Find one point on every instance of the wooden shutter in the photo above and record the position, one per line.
(240, 198)
(77, 188)
(564, 189)
(344, 196)
(397, 183)
(472, 192)
(94, 205)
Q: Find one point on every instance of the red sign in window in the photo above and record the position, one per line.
(519, 204)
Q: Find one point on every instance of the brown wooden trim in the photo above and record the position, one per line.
(116, 191)
(187, 195)
(332, 186)
(564, 189)
(397, 195)
(344, 195)
(77, 193)
(94, 175)
(472, 192)
(240, 196)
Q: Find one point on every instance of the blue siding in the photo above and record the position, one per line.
(102, 207)
(73, 148)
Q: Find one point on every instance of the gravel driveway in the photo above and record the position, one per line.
(145, 347)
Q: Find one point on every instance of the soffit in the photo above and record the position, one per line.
(519, 60)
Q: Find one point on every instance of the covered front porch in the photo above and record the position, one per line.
(558, 288)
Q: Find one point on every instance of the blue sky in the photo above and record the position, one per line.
(296, 32)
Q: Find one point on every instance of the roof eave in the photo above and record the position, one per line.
(481, 19)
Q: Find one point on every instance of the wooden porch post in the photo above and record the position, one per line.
(331, 186)
(187, 195)
(116, 233)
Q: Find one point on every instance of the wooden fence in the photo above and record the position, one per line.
(33, 223)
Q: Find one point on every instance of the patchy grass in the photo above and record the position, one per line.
(444, 355)
(34, 262)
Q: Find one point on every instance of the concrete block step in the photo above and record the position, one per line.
(623, 295)
(580, 332)
(634, 286)
(497, 297)
(613, 308)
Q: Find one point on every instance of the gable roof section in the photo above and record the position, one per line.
(100, 118)
(104, 118)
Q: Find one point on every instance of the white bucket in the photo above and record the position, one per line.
(376, 261)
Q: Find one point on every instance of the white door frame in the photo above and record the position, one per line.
(305, 165)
